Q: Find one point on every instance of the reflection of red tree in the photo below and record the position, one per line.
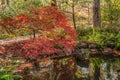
(46, 19)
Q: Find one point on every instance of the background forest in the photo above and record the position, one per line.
(35, 33)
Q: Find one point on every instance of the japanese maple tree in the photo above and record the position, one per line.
(55, 34)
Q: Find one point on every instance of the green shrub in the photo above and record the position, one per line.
(107, 36)
(111, 12)
(6, 75)
(17, 7)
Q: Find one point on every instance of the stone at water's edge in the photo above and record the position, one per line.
(86, 49)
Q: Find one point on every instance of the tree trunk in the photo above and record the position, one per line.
(73, 14)
(7, 2)
(54, 3)
(34, 33)
(2, 2)
(96, 13)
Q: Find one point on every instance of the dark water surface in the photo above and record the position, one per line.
(72, 69)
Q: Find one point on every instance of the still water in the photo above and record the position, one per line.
(72, 69)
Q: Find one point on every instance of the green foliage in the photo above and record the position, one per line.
(6, 75)
(102, 36)
(19, 32)
(23, 32)
(97, 61)
(117, 41)
(7, 68)
(17, 7)
(6, 71)
(5, 36)
(111, 12)
(90, 35)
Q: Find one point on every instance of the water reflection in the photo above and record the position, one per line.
(107, 71)
(70, 69)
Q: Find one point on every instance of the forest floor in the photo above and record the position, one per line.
(16, 39)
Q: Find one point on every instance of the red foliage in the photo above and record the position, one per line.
(44, 19)
(2, 50)
(19, 21)
(32, 48)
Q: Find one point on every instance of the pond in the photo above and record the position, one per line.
(99, 69)
(94, 68)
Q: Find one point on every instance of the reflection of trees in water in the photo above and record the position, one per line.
(64, 69)
(107, 70)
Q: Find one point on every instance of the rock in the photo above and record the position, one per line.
(82, 44)
(110, 45)
(93, 51)
(93, 45)
(107, 51)
(117, 52)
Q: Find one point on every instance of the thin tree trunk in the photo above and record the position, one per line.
(34, 33)
(88, 14)
(7, 2)
(54, 3)
(2, 2)
(96, 14)
(73, 13)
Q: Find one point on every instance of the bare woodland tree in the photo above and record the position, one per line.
(96, 13)
(4, 2)
(7, 2)
(73, 13)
